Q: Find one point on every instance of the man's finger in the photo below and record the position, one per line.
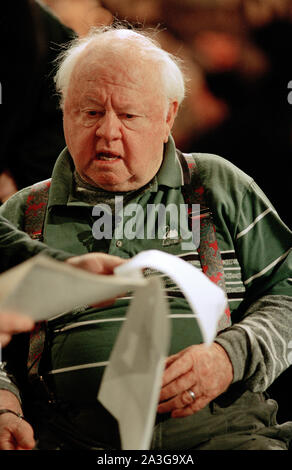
(7, 443)
(181, 400)
(169, 360)
(111, 262)
(96, 263)
(4, 339)
(15, 323)
(179, 367)
(23, 435)
(178, 386)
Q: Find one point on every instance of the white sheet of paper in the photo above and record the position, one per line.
(206, 299)
(131, 382)
(43, 288)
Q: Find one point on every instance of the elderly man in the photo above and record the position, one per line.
(120, 94)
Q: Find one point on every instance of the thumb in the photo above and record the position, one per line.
(24, 436)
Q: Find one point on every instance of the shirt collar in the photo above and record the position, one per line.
(62, 180)
(170, 173)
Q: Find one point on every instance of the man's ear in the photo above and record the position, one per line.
(170, 117)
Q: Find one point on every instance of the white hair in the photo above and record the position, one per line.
(120, 39)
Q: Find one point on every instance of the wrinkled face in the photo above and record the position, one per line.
(116, 120)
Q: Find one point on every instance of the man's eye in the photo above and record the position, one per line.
(127, 116)
(94, 113)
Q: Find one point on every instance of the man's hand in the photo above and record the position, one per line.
(204, 370)
(12, 323)
(15, 433)
(96, 263)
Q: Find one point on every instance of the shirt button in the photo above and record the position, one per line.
(119, 243)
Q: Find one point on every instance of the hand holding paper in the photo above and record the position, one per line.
(43, 288)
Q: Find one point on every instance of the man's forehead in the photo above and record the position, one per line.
(113, 68)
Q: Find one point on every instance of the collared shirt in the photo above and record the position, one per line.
(256, 251)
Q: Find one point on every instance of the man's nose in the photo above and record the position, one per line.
(109, 126)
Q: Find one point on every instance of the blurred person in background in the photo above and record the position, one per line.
(32, 125)
(250, 70)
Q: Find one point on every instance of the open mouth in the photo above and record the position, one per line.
(107, 156)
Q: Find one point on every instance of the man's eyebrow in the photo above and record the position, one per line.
(129, 106)
(126, 106)
(89, 99)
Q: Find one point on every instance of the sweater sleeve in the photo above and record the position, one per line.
(16, 246)
(259, 346)
(7, 382)
(259, 340)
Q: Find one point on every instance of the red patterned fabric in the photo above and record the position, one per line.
(210, 257)
(34, 219)
(35, 209)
